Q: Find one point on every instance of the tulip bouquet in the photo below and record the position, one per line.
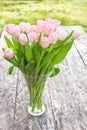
(35, 50)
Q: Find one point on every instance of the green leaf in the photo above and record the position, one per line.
(15, 51)
(54, 72)
(19, 53)
(48, 57)
(28, 52)
(61, 43)
(62, 53)
(34, 50)
(11, 69)
(22, 65)
(15, 41)
(30, 68)
(12, 61)
(8, 42)
(68, 38)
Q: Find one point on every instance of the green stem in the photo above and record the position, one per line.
(38, 64)
(36, 91)
(37, 97)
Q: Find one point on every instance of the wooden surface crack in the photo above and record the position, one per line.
(16, 93)
(81, 56)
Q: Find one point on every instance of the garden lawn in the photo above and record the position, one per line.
(69, 12)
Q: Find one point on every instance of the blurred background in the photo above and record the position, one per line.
(70, 12)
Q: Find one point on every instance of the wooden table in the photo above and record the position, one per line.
(65, 95)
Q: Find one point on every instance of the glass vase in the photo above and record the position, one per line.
(36, 87)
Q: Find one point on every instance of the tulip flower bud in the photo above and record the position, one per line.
(8, 53)
(76, 33)
(34, 36)
(44, 42)
(22, 39)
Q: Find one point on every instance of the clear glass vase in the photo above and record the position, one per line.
(36, 87)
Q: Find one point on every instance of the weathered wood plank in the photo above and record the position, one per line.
(65, 95)
(8, 85)
(7, 96)
(69, 94)
(23, 119)
(80, 43)
(80, 78)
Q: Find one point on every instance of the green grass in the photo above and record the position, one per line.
(69, 12)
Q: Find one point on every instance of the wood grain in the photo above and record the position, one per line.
(65, 95)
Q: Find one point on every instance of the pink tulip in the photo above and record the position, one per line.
(10, 28)
(8, 53)
(34, 36)
(25, 27)
(16, 31)
(48, 28)
(22, 26)
(76, 33)
(22, 39)
(13, 29)
(61, 34)
(44, 42)
(40, 24)
(53, 37)
(34, 28)
(49, 20)
(55, 23)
